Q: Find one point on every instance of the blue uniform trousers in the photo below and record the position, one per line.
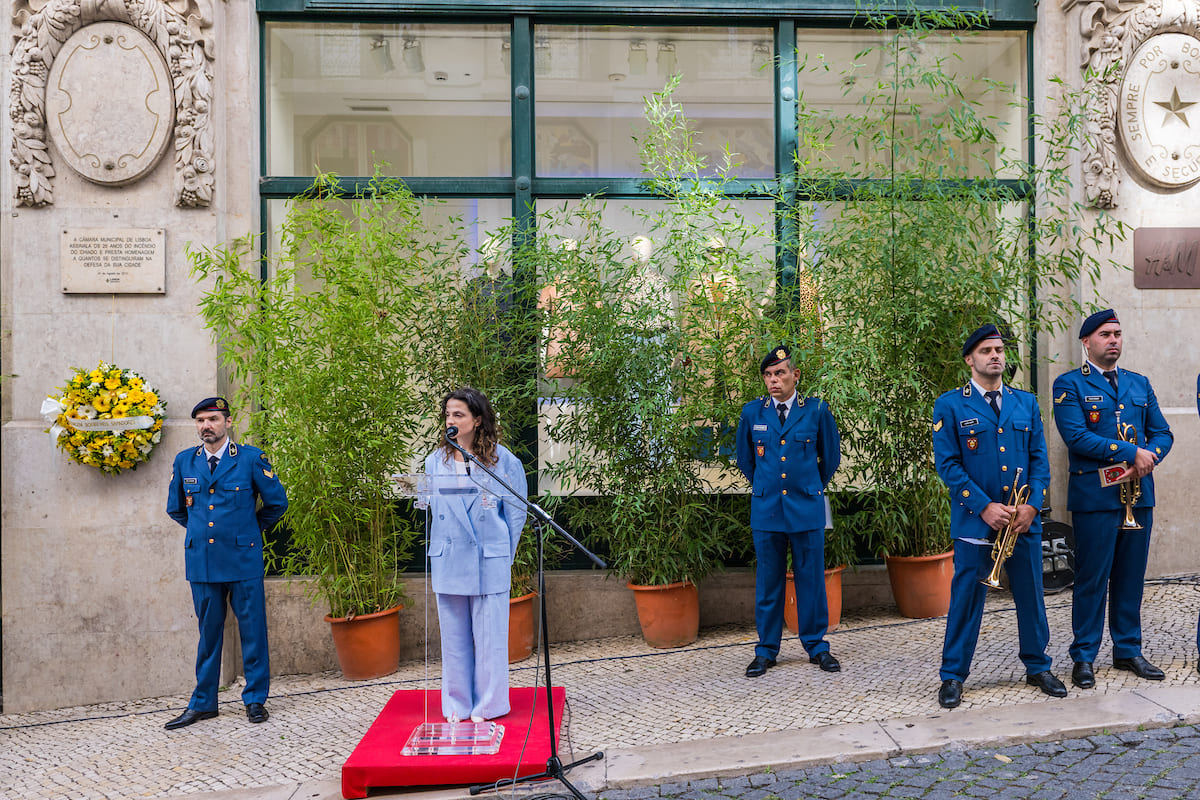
(812, 607)
(248, 601)
(1109, 564)
(474, 655)
(972, 563)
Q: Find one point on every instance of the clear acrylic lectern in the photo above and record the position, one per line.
(446, 738)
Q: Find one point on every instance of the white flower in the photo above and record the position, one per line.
(107, 451)
(83, 451)
(93, 387)
(157, 435)
(158, 410)
(87, 411)
(145, 448)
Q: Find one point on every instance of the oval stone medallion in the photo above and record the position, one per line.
(1159, 111)
(109, 103)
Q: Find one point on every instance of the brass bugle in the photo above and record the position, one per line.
(1006, 540)
(1131, 490)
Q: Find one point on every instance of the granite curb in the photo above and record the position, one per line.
(777, 751)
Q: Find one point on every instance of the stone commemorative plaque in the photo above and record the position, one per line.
(113, 261)
(1166, 258)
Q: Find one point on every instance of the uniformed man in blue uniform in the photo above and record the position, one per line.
(1110, 562)
(215, 489)
(788, 449)
(983, 433)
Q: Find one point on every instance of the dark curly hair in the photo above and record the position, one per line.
(487, 432)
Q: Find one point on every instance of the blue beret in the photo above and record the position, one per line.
(211, 404)
(1096, 320)
(774, 357)
(988, 331)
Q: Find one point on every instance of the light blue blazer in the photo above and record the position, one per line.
(473, 537)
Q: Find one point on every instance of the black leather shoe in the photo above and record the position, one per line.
(1082, 675)
(759, 666)
(826, 662)
(1140, 667)
(1047, 683)
(188, 717)
(950, 695)
(256, 713)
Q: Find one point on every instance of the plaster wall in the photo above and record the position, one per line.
(94, 603)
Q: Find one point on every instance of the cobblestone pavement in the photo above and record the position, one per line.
(1157, 764)
(620, 694)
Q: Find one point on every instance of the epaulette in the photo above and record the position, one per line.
(1086, 369)
(232, 449)
(966, 390)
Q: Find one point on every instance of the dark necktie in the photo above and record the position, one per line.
(782, 412)
(1111, 375)
(212, 464)
(993, 401)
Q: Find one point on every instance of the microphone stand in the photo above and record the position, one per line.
(554, 766)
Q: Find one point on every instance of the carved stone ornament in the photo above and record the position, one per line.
(1122, 84)
(181, 32)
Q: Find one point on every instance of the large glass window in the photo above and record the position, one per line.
(421, 99)
(591, 81)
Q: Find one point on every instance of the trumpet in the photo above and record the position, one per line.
(1131, 490)
(1006, 540)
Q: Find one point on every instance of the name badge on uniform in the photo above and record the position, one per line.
(762, 451)
(966, 423)
(1093, 416)
(190, 480)
(1095, 398)
(760, 427)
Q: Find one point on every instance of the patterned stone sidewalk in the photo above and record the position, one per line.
(620, 693)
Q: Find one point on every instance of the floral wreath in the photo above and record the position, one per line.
(108, 418)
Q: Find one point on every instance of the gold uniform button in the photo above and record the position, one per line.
(784, 475)
(785, 491)
(210, 508)
(210, 491)
(1112, 447)
(1121, 405)
(782, 442)
(1006, 488)
(1001, 448)
(1004, 468)
(783, 458)
(1000, 430)
(210, 524)
(966, 493)
(210, 541)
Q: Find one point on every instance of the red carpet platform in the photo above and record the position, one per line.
(377, 762)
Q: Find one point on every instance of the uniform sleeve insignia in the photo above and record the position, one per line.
(1060, 398)
(268, 473)
(263, 456)
(937, 426)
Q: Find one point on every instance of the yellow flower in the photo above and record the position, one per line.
(113, 383)
(96, 376)
(151, 398)
(102, 402)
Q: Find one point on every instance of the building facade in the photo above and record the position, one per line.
(135, 130)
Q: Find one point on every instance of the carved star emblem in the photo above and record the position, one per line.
(1175, 108)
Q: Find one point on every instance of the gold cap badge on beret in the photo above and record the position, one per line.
(780, 354)
(220, 403)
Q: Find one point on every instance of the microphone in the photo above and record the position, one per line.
(452, 432)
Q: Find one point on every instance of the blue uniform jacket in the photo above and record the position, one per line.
(472, 540)
(977, 454)
(1086, 412)
(224, 537)
(788, 466)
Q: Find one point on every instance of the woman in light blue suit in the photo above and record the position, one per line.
(473, 537)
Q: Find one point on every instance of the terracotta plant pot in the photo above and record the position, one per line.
(921, 584)
(833, 597)
(669, 615)
(522, 617)
(367, 646)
